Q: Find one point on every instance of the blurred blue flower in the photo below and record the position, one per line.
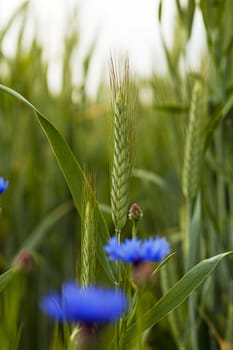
(135, 250)
(3, 184)
(89, 305)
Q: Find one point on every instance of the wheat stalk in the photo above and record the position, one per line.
(122, 140)
(88, 237)
(194, 143)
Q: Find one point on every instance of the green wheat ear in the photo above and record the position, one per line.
(194, 142)
(88, 236)
(122, 146)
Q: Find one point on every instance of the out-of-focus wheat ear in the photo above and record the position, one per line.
(88, 236)
(194, 142)
(121, 158)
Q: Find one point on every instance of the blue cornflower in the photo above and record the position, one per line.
(89, 305)
(135, 250)
(3, 184)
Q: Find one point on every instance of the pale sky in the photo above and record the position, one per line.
(122, 27)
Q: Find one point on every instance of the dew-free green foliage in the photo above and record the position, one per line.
(182, 178)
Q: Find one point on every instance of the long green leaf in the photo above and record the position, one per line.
(221, 113)
(195, 227)
(176, 295)
(149, 176)
(73, 174)
(40, 231)
(21, 9)
(6, 277)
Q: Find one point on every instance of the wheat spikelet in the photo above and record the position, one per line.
(194, 143)
(121, 160)
(88, 239)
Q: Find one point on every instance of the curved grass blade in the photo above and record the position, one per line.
(40, 231)
(176, 295)
(150, 176)
(221, 113)
(72, 172)
(21, 9)
(163, 263)
(6, 277)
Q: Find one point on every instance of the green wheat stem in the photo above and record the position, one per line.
(88, 247)
(134, 229)
(138, 319)
(193, 322)
(191, 181)
(121, 160)
(88, 238)
(220, 180)
(73, 343)
(231, 215)
(173, 317)
(193, 156)
(191, 300)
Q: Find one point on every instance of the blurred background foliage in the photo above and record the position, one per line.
(38, 205)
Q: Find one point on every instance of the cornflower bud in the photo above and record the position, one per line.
(24, 260)
(135, 212)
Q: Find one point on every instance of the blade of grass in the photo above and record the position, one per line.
(23, 7)
(221, 113)
(6, 277)
(72, 172)
(149, 176)
(40, 231)
(176, 295)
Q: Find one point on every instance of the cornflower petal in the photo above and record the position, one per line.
(113, 248)
(136, 251)
(131, 250)
(51, 304)
(3, 184)
(89, 305)
(155, 249)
